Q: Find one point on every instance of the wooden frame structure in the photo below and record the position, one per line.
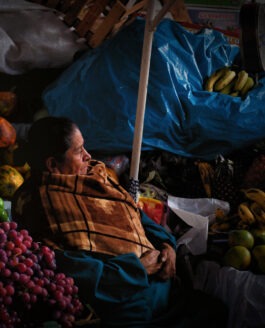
(95, 20)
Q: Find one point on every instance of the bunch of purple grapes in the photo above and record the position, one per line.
(31, 291)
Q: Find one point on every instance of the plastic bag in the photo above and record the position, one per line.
(100, 90)
(242, 291)
(197, 213)
(37, 39)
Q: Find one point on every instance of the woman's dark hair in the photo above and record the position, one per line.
(49, 136)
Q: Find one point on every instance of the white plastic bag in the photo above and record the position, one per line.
(32, 36)
(197, 213)
(242, 291)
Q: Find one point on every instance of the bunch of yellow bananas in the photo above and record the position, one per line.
(224, 222)
(227, 81)
(252, 211)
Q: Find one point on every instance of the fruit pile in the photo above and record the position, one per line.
(228, 81)
(11, 175)
(31, 291)
(246, 250)
(252, 211)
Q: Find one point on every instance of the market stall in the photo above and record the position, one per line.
(157, 122)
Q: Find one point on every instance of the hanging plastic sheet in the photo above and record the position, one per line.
(32, 36)
(99, 92)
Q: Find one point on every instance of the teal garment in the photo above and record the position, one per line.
(120, 291)
(121, 281)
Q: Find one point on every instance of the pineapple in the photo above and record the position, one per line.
(223, 184)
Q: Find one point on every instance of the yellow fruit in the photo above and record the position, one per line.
(256, 195)
(212, 79)
(10, 180)
(245, 213)
(228, 88)
(224, 80)
(258, 212)
(238, 257)
(247, 87)
(259, 236)
(258, 253)
(240, 238)
(241, 80)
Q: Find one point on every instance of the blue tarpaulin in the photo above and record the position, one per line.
(99, 92)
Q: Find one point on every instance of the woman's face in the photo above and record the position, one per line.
(76, 157)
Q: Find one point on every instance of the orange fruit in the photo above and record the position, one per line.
(238, 257)
(259, 236)
(240, 238)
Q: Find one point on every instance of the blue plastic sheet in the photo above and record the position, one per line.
(99, 92)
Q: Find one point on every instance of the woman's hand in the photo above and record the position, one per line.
(150, 260)
(168, 259)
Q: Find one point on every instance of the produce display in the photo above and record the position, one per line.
(229, 81)
(7, 133)
(252, 211)
(243, 233)
(11, 175)
(31, 290)
(10, 180)
(246, 250)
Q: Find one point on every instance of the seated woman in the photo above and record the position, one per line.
(122, 261)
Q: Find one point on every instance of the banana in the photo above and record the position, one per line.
(224, 80)
(258, 212)
(214, 77)
(228, 88)
(220, 227)
(241, 80)
(255, 195)
(247, 87)
(245, 213)
(234, 94)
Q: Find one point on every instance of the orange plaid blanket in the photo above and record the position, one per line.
(92, 212)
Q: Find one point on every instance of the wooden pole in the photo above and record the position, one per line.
(142, 91)
(150, 26)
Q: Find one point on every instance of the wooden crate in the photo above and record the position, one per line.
(95, 20)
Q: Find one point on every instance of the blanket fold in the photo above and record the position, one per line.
(92, 212)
